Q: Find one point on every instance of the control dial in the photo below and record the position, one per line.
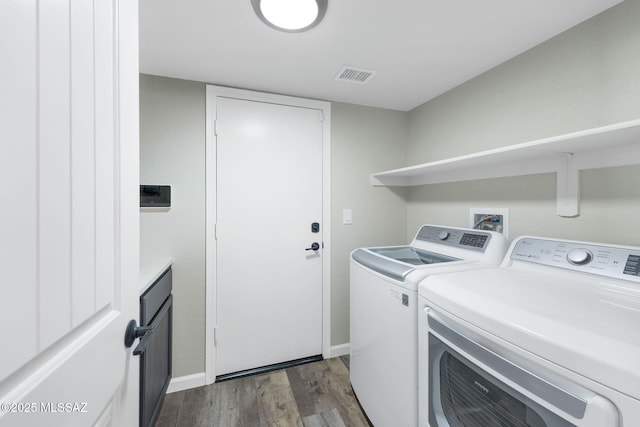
(579, 256)
(444, 235)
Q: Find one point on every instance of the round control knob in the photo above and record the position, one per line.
(579, 256)
(443, 235)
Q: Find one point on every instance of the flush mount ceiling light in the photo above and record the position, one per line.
(291, 16)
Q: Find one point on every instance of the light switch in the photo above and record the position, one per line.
(347, 217)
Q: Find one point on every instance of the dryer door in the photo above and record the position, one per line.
(471, 386)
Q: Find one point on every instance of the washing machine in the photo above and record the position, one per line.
(383, 323)
(550, 338)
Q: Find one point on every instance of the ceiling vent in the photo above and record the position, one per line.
(355, 75)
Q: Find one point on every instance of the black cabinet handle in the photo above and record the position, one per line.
(134, 332)
(142, 345)
(314, 247)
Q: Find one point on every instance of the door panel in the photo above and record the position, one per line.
(81, 171)
(18, 225)
(69, 246)
(54, 172)
(105, 131)
(269, 192)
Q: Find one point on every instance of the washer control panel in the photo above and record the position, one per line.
(474, 240)
(611, 261)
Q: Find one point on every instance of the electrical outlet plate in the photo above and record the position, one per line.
(493, 219)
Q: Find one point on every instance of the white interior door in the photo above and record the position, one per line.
(269, 192)
(69, 221)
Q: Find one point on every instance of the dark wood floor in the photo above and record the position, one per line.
(317, 394)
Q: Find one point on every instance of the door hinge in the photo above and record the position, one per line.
(215, 336)
(215, 127)
(215, 231)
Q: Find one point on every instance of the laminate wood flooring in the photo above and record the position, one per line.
(316, 394)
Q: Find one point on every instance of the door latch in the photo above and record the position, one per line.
(314, 247)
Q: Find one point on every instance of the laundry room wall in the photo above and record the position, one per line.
(586, 77)
(363, 140)
(172, 144)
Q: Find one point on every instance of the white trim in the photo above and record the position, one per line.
(186, 382)
(326, 224)
(340, 350)
(210, 156)
(210, 241)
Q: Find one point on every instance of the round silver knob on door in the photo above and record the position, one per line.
(579, 256)
(444, 235)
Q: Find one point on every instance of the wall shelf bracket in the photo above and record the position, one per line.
(568, 188)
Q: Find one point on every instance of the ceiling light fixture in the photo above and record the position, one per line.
(292, 16)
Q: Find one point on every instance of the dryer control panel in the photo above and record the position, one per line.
(474, 240)
(615, 261)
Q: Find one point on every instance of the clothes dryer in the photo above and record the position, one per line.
(548, 339)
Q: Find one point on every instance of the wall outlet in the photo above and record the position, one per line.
(492, 219)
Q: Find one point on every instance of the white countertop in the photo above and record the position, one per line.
(151, 270)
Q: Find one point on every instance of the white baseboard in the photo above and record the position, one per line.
(198, 380)
(186, 382)
(340, 350)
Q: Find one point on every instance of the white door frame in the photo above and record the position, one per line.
(210, 281)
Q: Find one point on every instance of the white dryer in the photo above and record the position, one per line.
(383, 323)
(551, 338)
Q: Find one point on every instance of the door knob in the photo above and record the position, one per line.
(314, 247)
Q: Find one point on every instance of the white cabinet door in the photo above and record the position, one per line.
(269, 192)
(69, 217)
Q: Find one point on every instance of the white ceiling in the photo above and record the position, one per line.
(420, 48)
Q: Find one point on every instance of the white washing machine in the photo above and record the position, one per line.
(384, 340)
(550, 338)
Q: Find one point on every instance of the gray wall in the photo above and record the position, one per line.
(586, 77)
(363, 140)
(172, 133)
(172, 142)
